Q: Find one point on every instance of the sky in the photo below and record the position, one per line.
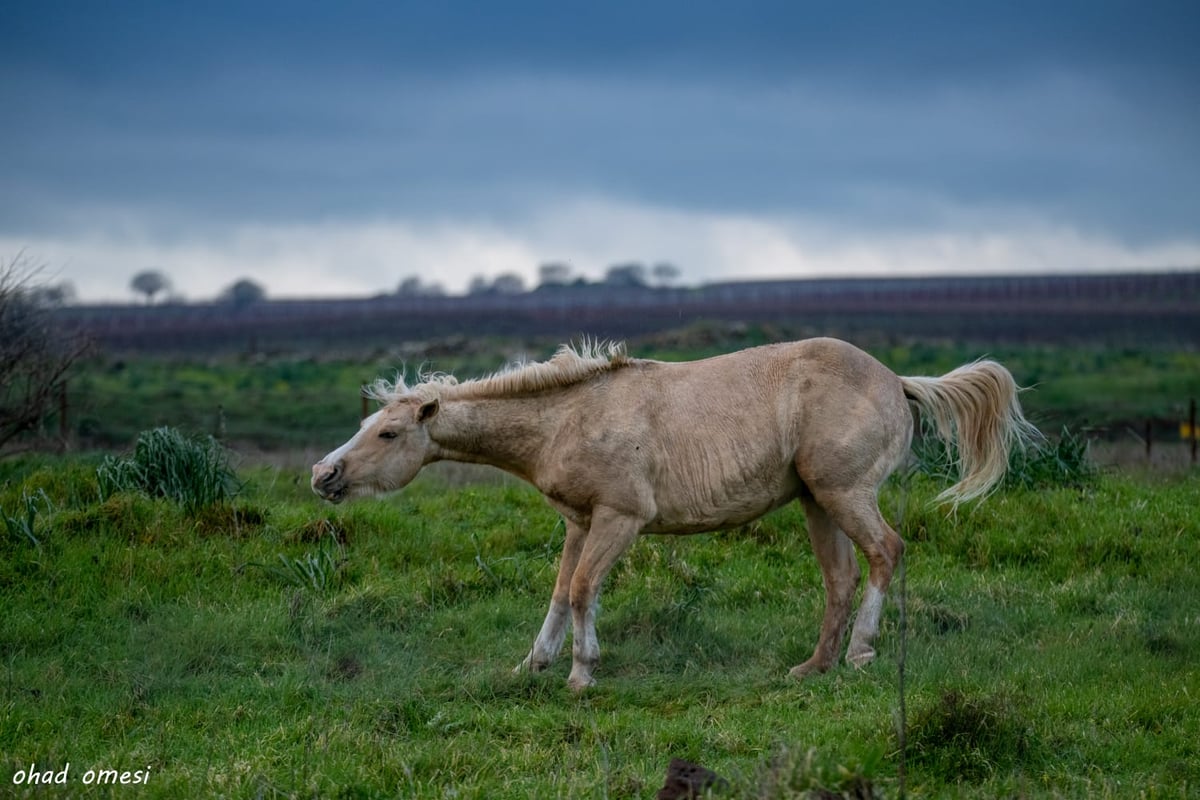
(335, 149)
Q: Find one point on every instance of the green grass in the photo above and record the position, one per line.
(275, 647)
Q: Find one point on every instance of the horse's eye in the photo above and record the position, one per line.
(388, 435)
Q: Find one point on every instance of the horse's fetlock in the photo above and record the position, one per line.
(861, 656)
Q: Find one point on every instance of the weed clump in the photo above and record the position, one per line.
(813, 776)
(970, 737)
(193, 472)
(317, 571)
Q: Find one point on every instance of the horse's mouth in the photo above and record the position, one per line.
(333, 495)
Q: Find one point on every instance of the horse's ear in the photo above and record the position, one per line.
(427, 410)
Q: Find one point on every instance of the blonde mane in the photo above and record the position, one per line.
(568, 366)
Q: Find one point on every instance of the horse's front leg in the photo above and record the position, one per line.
(549, 640)
(610, 535)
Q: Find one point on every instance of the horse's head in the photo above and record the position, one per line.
(388, 451)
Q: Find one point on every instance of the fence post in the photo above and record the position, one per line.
(1192, 425)
(1149, 437)
(62, 413)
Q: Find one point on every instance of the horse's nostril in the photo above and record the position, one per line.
(324, 474)
(328, 474)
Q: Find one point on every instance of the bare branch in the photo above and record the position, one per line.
(35, 353)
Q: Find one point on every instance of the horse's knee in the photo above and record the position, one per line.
(581, 598)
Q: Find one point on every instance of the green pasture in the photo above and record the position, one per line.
(272, 646)
(252, 642)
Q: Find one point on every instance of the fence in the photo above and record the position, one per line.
(1187, 433)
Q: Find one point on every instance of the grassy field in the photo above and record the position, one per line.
(272, 646)
(275, 647)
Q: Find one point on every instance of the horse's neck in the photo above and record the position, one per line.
(508, 433)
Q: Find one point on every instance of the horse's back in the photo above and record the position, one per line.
(807, 373)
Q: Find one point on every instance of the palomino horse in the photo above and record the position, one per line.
(621, 446)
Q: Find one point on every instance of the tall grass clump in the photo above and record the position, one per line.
(22, 522)
(192, 471)
(1045, 464)
(1059, 462)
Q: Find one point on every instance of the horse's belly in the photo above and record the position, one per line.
(736, 505)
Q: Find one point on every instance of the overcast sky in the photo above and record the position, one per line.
(334, 149)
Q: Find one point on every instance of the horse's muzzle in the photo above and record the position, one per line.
(328, 481)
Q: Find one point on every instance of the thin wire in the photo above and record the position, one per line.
(902, 656)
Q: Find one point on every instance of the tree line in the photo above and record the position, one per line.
(154, 283)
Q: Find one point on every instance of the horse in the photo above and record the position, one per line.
(622, 446)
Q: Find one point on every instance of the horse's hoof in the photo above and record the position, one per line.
(810, 667)
(861, 659)
(578, 685)
(530, 666)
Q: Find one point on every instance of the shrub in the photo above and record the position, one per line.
(36, 353)
(194, 472)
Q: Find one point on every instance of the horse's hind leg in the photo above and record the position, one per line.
(857, 513)
(840, 573)
(550, 638)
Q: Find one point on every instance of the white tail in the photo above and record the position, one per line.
(976, 407)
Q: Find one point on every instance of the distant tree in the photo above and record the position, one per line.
(554, 273)
(36, 354)
(479, 285)
(53, 295)
(413, 287)
(150, 282)
(665, 273)
(243, 293)
(631, 275)
(508, 283)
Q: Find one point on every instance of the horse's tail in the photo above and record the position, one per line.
(975, 407)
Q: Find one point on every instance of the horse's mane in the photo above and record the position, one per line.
(572, 364)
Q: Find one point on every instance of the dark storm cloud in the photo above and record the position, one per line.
(886, 114)
(899, 41)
